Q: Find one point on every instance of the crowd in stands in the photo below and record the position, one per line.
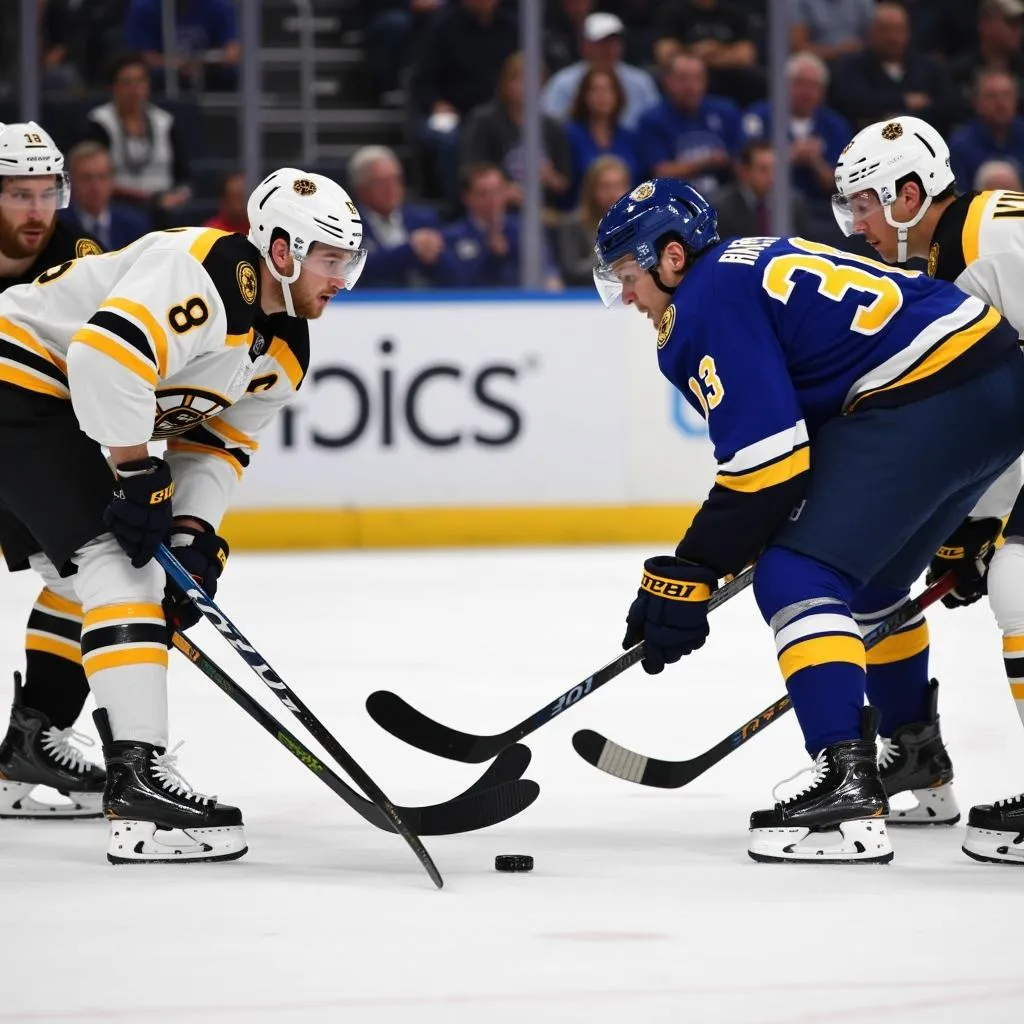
(631, 89)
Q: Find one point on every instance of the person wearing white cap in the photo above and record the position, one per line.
(601, 47)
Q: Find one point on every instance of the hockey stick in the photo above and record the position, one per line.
(401, 719)
(499, 794)
(625, 764)
(177, 573)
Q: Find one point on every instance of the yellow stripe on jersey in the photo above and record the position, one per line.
(201, 247)
(767, 476)
(820, 650)
(174, 444)
(33, 344)
(66, 649)
(157, 335)
(109, 347)
(30, 382)
(220, 426)
(280, 351)
(234, 340)
(900, 646)
(123, 613)
(1013, 644)
(970, 238)
(1017, 691)
(944, 353)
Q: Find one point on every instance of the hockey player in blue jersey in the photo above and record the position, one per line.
(857, 412)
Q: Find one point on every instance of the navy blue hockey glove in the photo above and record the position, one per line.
(203, 555)
(967, 552)
(670, 613)
(139, 514)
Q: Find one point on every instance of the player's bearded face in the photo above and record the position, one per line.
(25, 231)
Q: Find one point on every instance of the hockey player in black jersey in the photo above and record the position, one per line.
(38, 748)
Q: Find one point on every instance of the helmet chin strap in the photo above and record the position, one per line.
(661, 284)
(285, 282)
(903, 227)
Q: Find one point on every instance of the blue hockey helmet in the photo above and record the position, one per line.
(635, 222)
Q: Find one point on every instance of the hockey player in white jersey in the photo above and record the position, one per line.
(895, 187)
(196, 337)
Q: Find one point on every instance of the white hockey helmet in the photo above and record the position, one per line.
(26, 150)
(874, 161)
(308, 208)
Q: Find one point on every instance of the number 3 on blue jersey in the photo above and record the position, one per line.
(835, 280)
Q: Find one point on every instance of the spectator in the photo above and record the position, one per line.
(993, 174)
(594, 129)
(206, 41)
(390, 35)
(1000, 30)
(717, 31)
(562, 32)
(92, 210)
(457, 70)
(484, 245)
(941, 27)
(889, 77)
(607, 179)
(77, 39)
(816, 132)
(150, 167)
(744, 208)
(232, 200)
(493, 135)
(601, 47)
(995, 132)
(830, 28)
(690, 134)
(404, 244)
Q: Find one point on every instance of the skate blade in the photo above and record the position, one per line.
(992, 847)
(143, 842)
(17, 803)
(864, 841)
(934, 806)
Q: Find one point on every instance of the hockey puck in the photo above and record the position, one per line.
(513, 862)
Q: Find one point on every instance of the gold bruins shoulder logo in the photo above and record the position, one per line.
(86, 247)
(933, 259)
(892, 131)
(245, 274)
(304, 186)
(668, 321)
(643, 191)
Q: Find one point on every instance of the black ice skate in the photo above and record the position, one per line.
(914, 760)
(155, 817)
(839, 818)
(35, 753)
(995, 832)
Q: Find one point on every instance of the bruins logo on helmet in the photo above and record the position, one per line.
(933, 259)
(247, 281)
(304, 186)
(86, 247)
(643, 191)
(668, 321)
(892, 131)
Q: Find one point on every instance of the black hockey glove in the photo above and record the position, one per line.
(203, 555)
(967, 552)
(139, 515)
(670, 613)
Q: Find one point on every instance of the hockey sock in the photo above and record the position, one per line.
(1006, 595)
(54, 681)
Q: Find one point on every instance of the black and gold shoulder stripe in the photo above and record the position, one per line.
(955, 236)
(289, 344)
(232, 262)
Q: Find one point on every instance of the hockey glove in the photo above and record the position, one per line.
(967, 552)
(139, 514)
(203, 555)
(670, 613)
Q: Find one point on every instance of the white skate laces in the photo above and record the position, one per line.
(818, 770)
(165, 771)
(889, 752)
(57, 743)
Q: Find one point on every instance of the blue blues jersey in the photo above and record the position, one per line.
(768, 339)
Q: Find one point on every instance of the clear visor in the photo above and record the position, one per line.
(21, 194)
(346, 264)
(612, 279)
(851, 211)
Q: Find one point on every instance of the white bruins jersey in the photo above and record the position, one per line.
(161, 340)
(979, 245)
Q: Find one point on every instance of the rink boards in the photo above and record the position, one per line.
(453, 418)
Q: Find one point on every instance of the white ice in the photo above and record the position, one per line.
(643, 905)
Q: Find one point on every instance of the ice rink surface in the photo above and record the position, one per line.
(643, 905)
